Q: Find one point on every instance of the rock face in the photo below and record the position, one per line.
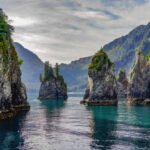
(122, 84)
(13, 96)
(52, 84)
(139, 87)
(101, 88)
(52, 89)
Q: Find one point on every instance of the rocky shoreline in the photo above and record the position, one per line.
(100, 103)
(132, 101)
(9, 113)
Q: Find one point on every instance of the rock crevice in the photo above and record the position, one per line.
(122, 84)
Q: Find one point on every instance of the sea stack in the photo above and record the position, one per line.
(53, 85)
(13, 96)
(139, 86)
(101, 88)
(122, 84)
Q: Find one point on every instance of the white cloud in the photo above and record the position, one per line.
(90, 14)
(22, 22)
(69, 29)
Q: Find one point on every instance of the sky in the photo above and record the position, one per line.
(65, 30)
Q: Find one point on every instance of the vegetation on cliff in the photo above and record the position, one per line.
(139, 54)
(7, 50)
(13, 96)
(53, 85)
(99, 60)
(121, 72)
(52, 73)
(139, 86)
(101, 87)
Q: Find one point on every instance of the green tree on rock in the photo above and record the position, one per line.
(56, 70)
(48, 72)
(99, 60)
(41, 78)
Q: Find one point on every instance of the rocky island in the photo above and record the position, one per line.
(122, 84)
(53, 85)
(139, 86)
(13, 96)
(101, 88)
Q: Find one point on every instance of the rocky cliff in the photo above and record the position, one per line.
(52, 84)
(13, 96)
(139, 87)
(101, 88)
(122, 84)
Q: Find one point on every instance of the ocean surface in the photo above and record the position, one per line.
(67, 125)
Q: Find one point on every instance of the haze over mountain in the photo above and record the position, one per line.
(31, 68)
(121, 51)
(65, 30)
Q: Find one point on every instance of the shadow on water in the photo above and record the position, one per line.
(10, 132)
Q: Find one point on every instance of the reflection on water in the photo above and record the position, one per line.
(103, 126)
(10, 132)
(53, 110)
(122, 127)
(65, 125)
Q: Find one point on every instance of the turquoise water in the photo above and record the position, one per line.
(58, 125)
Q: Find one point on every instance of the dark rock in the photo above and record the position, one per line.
(101, 89)
(53, 89)
(12, 90)
(53, 85)
(139, 86)
(122, 84)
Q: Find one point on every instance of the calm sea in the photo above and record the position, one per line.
(67, 125)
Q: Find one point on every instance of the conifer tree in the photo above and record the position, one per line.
(57, 70)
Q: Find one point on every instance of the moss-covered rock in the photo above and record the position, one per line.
(12, 90)
(100, 61)
(53, 85)
(139, 86)
(101, 88)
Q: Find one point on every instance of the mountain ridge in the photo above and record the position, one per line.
(31, 68)
(121, 51)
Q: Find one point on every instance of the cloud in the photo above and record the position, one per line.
(61, 31)
(22, 22)
(91, 14)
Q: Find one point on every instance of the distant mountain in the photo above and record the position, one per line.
(121, 51)
(31, 68)
(75, 73)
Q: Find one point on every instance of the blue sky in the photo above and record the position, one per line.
(65, 30)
